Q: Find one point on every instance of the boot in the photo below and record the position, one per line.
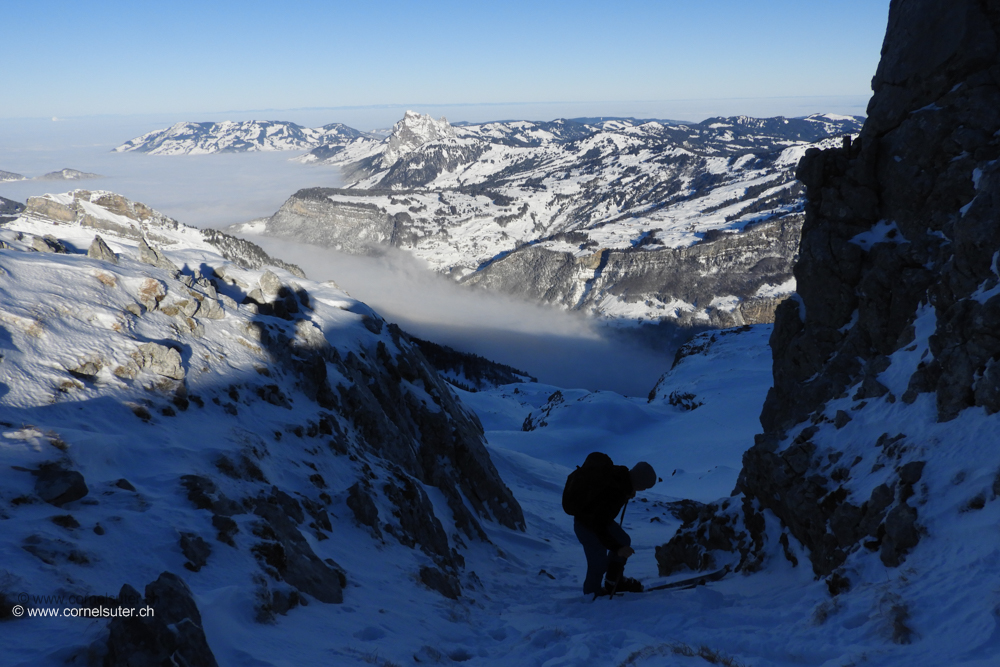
(630, 585)
(624, 585)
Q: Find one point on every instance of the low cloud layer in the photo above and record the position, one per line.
(558, 347)
(199, 190)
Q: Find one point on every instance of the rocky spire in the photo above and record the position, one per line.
(413, 131)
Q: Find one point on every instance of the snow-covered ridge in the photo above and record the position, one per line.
(82, 213)
(189, 138)
(60, 175)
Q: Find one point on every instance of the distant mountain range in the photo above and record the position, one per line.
(238, 137)
(67, 175)
(696, 223)
(636, 219)
(61, 175)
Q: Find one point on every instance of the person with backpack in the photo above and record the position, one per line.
(594, 495)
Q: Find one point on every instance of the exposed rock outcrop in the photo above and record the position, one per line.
(287, 556)
(171, 635)
(151, 255)
(160, 359)
(48, 243)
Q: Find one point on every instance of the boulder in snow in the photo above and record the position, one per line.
(151, 255)
(160, 359)
(99, 250)
(58, 486)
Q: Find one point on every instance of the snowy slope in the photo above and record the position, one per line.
(934, 610)
(188, 138)
(521, 602)
(138, 371)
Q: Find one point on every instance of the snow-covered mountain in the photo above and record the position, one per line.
(238, 137)
(702, 218)
(10, 176)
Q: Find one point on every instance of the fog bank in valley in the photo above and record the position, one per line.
(558, 347)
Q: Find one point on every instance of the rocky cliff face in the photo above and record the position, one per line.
(726, 280)
(904, 217)
(896, 320)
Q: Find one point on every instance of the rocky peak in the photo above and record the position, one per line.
(413, 131)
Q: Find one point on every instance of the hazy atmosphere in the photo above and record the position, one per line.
(559, 348)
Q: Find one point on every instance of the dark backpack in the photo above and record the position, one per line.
(581, 482)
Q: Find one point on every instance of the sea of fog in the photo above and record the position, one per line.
(199, 190)
(558, 347)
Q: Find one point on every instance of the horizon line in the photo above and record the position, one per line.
(412, 105)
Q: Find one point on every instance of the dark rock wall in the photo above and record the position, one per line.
(922, 175)
(928, 140)
(900, 224)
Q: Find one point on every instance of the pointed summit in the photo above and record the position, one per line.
(413, 131)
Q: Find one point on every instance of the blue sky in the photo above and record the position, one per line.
(630, 57)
